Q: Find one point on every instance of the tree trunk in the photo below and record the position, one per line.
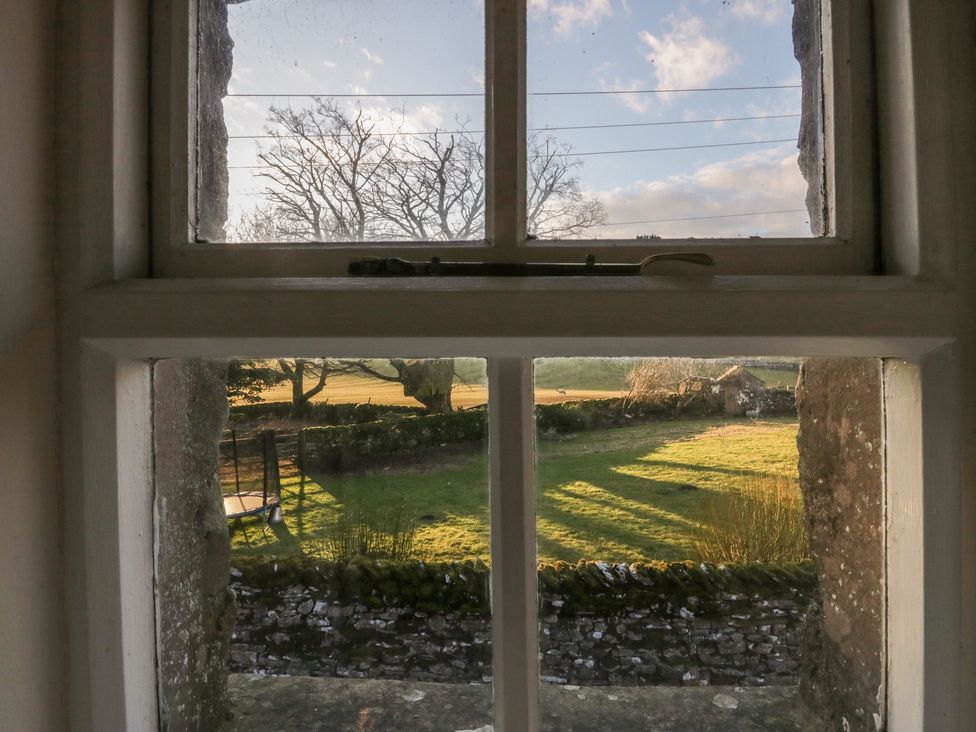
(300, 398)
(427, 380)
(297, 378)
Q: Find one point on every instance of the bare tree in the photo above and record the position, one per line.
(296, 370)
(557, 207)
(433, 188)
(322, 170)
(339, 175)
(654, 376)
(428, 380)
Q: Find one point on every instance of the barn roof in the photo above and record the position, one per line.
(740, 374)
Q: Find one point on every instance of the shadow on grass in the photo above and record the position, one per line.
(653, 528)
(591, 493)
(676, 465)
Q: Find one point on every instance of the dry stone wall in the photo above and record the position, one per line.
(600, 624)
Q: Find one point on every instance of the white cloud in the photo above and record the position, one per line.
(686, 57)
(371, 57)
(765, 11)
(329, 64)
(765, 181)
(639, 103)
(570, 15)
(387, 119)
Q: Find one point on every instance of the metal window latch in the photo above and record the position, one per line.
(396, 267)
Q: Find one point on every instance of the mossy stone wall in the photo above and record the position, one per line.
(681, 623)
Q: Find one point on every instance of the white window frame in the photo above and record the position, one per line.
(114, 318)
(851, 247)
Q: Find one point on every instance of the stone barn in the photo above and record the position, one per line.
(739, 391)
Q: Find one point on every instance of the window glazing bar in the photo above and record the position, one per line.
(514, 605)
(505, 24)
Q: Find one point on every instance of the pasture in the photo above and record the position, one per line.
(557, 380)
(627, 494)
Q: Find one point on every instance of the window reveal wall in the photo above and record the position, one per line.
(216, 61)
(841, 446)
(194, 604)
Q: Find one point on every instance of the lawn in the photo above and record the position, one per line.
(556, 380)
(627, 494)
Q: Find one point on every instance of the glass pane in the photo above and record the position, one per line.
(356, 492)
(341, 120)
(674, 119)
(687, 519)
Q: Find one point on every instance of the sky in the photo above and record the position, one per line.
(397, 47)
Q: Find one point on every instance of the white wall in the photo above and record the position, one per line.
(32, 650)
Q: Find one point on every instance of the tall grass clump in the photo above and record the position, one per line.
(760, 520)
(375, 533)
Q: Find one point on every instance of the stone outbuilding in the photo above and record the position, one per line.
(739, 391)
(736, 393)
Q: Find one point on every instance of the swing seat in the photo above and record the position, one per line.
(246, 504)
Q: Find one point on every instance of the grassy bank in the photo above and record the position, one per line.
(628, 494)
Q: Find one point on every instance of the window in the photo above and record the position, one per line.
(343, 134)
(113, 326)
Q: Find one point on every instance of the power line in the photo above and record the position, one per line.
(575, 154)
(542, 129)
(662, 91)
(663, 149)
(588, 92)
(702, 218)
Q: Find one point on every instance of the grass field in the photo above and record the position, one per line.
(557, 380)
(627, 494)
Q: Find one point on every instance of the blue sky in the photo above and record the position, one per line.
(412, 47)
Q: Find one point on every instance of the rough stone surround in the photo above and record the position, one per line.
(194, 608)
(841, 446)
(262, 703)
(744, 639)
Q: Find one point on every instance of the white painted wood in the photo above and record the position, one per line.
(732, 256)
(514, 596)
(943, 56)
(896, 138)
(103, 164)
(904, 557)
(926, 160)
(923, 543)
(118, 543)
(136, 500)
(942, 501)
(849, 128)
(513, 316)
(505, 125)
(173, 138)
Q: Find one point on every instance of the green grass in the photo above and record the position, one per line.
(598, 374)
(610, 374)
(613, 494)
(776, 377)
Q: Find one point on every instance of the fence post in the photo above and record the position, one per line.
(237, 477)
(272, 475)
(301, 461)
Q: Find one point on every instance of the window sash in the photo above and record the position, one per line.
(849, 145)
(117, 497)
